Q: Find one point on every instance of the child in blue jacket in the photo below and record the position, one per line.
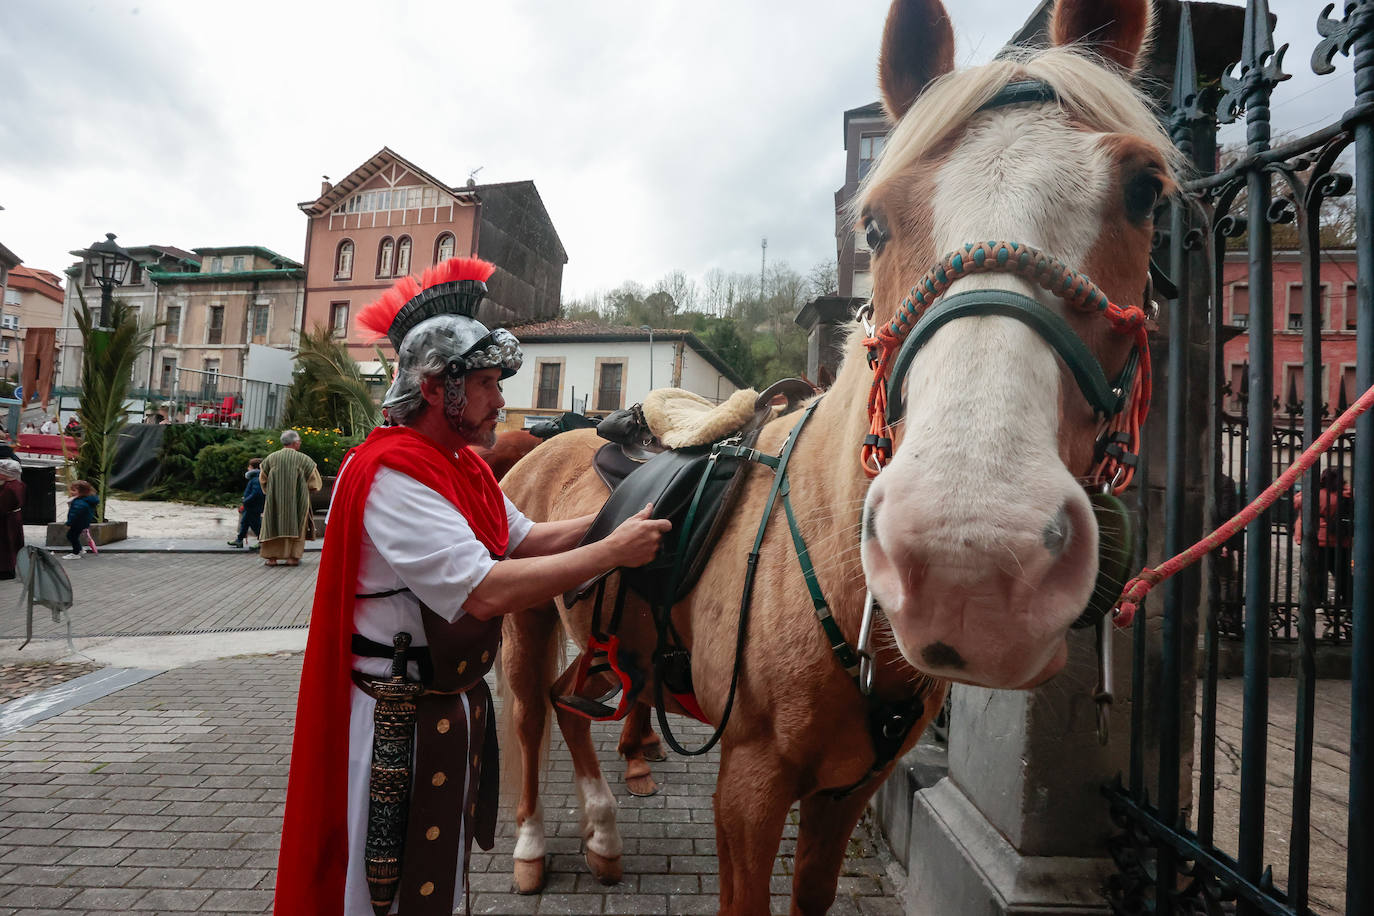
(80, 514)
(253, 501)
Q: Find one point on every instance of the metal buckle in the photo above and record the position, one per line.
(865, 317)
(1102, 695)
(862, 649)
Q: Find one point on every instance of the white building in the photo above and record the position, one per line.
(592, 368)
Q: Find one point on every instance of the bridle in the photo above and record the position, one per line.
(1120, 404)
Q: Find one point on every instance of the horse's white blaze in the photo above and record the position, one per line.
(959, 561)
(599, 828)
(529, 835)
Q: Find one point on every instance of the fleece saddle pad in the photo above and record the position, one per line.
(681, 419)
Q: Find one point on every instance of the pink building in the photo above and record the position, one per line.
(388, 218)
(1338, 323)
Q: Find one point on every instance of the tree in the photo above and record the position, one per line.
(823, 279)
(107, 363)
(327, 390)
(1336, 216)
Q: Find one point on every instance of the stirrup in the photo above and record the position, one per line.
(601, 657)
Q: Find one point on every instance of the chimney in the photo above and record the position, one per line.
(325, 186)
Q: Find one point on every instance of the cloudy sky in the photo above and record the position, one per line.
(661, 135)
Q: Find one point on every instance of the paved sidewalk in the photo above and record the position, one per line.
(166, 797)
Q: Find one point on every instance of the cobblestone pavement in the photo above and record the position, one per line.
(148, 593)
(24, 678)
(166, 797)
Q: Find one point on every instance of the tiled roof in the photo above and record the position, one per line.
(562, 327)
(40, 281)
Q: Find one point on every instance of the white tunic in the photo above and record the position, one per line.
(413, 538)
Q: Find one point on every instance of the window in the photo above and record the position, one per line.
(870, 145)
(550, 387)
(1352, 305)
(1294, 389)
(10, 322)
(443, 249)
(257, 324)
(210, 381)
(214, 328)
(403, 256)
(862, 285)
(11, 297)
(1240, 305)
(169, 371)
(1238, 384)
(384, 253)
(238, 262)
(1296, 306)
(135, 273)
(216, 265)
(338, 319)
(610, 376)
(4, 345)
(1348, 384)
(171, 333)
(343, 261)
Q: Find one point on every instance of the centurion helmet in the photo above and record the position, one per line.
(437, 316)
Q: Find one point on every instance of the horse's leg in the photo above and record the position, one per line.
(826, 826)
(600, 835)
(753, 793)
(634, 746)
(526, 655)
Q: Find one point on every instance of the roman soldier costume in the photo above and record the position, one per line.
(393, 769)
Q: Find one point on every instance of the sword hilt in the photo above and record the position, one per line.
(401, 642)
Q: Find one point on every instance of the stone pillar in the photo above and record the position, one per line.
(1020, 825)
(824, 319)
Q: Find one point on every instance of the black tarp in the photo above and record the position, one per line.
(135, 465)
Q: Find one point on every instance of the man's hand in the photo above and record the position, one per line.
(638, 538)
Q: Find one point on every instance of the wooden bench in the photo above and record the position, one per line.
(40, 444)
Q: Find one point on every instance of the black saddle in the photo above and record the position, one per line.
(670, 479)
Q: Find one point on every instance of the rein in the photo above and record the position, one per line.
(890, 722)
(1121, 404)
(1135, 591)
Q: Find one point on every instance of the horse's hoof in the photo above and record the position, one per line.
(607, 871)
(653, 751)
(639, 780)
(529, 875)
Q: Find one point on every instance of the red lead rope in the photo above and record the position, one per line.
(1140, 586)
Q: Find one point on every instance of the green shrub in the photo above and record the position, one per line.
(219, 469)
(326, 446)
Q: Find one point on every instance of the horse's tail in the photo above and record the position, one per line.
(534, 645)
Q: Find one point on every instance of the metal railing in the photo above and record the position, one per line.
(196, 396)
(1172, 856)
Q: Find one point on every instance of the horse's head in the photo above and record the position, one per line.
(979, 539)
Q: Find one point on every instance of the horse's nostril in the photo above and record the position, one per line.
(870, 525)
(1057, 532)
(942, 655)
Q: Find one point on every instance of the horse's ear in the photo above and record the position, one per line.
(1114, 29)
(918, 46)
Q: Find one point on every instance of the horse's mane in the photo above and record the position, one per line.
(1091, 92)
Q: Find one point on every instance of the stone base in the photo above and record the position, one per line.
(959, 863)
(101, 533)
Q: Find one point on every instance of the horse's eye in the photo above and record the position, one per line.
(875, 235)
(1141, 195)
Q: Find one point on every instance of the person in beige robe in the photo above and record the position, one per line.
(288, 477)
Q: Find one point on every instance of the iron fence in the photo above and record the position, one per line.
(1172, 856)
(195, 396)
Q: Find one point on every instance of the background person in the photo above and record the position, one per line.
(80, 514)
(1334, 530)
(421, 541)
(250, 509)
(11, 516)
(288, 477)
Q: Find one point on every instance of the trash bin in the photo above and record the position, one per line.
(40, 500)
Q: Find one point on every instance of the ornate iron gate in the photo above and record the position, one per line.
(1169, 863)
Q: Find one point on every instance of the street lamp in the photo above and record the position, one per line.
(110, 268)
(645, 327)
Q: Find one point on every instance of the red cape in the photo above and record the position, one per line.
(314, 842)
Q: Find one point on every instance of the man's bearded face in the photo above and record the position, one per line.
(471, 403)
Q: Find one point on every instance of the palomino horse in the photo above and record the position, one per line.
(977, 539)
